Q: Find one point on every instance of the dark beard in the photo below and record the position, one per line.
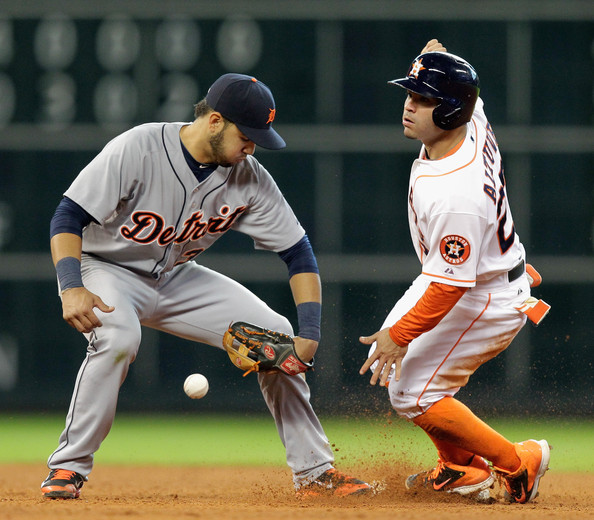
(216, 143)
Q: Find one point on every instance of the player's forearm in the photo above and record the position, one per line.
(65, 244)
(307, 293)
(66, 252)
(306, 287)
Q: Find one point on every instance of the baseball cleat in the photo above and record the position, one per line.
(521, 486)
(333, 483)
(62, 483)
(474, 479)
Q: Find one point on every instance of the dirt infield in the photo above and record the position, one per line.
(149, 493)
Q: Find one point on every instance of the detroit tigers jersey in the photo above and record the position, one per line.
(153, 213)
(459, 217)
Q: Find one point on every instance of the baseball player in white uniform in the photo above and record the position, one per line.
(123, 241)
(473, 294)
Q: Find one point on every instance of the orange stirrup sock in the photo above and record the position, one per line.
(451, 421)
(448, 452)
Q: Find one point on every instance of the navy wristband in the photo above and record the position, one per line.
(68, 270)
(309, 316)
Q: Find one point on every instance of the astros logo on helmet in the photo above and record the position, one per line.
(416, 67)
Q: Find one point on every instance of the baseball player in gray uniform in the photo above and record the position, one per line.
(123, 240)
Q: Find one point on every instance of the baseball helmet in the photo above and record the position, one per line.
(448, 78)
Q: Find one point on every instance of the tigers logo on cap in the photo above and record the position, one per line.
(272, 115)
(249, 104)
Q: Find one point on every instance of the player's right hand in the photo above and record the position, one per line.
(305, 348)
(77, 309)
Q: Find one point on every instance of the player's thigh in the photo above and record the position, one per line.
(199, 304)
(441, 361)
(130, 297)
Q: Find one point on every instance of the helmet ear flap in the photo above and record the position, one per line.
(446, 116)
(456, 106)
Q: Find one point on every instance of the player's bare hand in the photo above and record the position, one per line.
(386, 353)
(305, 348)
(77, 309)
(433, 46)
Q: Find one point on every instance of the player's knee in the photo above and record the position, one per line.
(122, 340)
(404, 403)
(280, 324)
(128, 347)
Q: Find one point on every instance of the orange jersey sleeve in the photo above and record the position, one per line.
(435, 303)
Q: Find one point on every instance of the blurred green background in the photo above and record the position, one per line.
(74, 74)
(203, 439)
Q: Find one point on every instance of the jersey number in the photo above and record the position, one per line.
(505, 242)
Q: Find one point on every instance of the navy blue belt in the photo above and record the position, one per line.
(516, 272)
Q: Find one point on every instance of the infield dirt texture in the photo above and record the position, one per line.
(122, 492)
(228, 467)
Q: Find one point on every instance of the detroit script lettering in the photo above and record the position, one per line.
(149, 226)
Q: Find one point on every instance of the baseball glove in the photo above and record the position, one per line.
(255, 349)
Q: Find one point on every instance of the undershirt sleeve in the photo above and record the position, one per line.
(69, 217)
(300, 258)
(436, 302)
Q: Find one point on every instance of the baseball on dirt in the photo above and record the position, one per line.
(196, 386)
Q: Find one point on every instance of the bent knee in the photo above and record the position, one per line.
(405, 403)
(410, 404)
(401, 402)
(279, 323)
(122, 341)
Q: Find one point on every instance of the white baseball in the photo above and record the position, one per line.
(196, 386)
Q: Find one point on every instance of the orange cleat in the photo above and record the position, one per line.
(333, 483)
(521, 486)
(452, 478)
(62, 483)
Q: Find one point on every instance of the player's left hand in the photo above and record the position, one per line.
(386, 353)
(256, 349)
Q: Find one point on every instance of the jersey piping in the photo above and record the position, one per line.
(450, 352)
(181, 212)
(447, 278)
(457, 169)
(457, 147)
(451, 152)
(215, 188)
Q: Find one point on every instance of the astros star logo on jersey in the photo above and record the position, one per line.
(416, 67)
(454, 249)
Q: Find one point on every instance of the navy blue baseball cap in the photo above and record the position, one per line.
(249, 104)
